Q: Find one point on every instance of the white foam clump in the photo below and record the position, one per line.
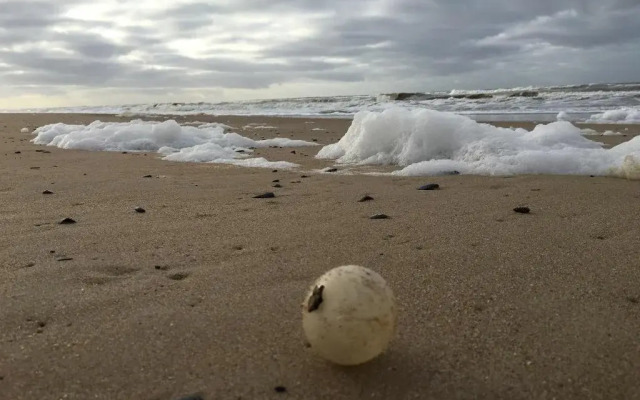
(24, 130)
(593, 132)
(207, 143)
(427, 142)
(562, 116)
(619, 116)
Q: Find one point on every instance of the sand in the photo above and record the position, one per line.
(202, 292)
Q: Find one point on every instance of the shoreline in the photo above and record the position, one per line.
(202, 292)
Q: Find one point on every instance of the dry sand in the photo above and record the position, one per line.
(202, 293)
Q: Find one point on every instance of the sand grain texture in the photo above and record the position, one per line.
(202, 292)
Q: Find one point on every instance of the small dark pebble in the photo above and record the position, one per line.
(331, 169)
(280, 389)
(304, 176)
(52, 251)
(315, 140)
(379, 216)
(277, 185)
(67, 221)
(125, 152)
(64, 258)
(178, 276)
(139, 210)
(17, 152)
(148, 176)
(34, 167)
(47, 192)
(293, 152)
(522, 210)
(29, 265)
(42, 324)
(240, 151)
(267, 195)
(429, 186)
(365, 198)
(634, 300)
(275, 180)
(39, 151)
(275, 170)
(592, 176)
(161, 267)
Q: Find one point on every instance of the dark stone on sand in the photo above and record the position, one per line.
(365, 198)
(148, 176)
(67, 221)
(275, 180)
(47, 192)
(429, 186)
(592, 176)
(304, 176)
(293, 152)
(267, 195)
(331, 169)
(522, 210)
(275, 170)
(280, 389)
(39, 151)
(139, 210)
(178, 276)
(240, 151)
(634, 300)
(277, 185)
(314, 140)
(17, 152)
(161, 267)
(64, 258)
(125, 152)
(379, 216)
(42, 324)
(34, 167)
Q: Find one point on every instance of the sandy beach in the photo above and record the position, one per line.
(201, 293)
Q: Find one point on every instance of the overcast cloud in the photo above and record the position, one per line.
(75, 52)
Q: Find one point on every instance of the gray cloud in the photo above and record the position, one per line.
(253, 44)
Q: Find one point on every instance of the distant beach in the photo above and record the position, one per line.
(200, 292)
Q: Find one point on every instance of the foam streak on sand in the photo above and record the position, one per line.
(208, 143)
(427, 142)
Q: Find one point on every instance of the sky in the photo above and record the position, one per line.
(100, 52)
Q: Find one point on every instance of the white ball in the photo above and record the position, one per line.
(349, 315)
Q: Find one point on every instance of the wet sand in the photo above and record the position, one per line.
(202, 292)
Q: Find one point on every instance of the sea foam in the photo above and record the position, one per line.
(622, 115)
(207, 143)
(427, 142)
